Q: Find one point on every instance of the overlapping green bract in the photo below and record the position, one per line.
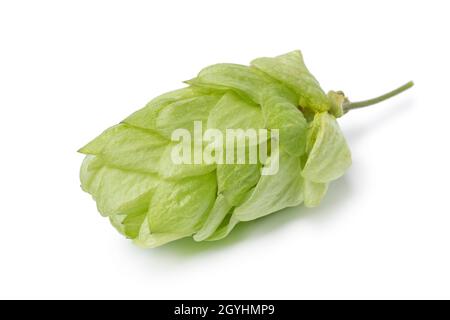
(148, 198)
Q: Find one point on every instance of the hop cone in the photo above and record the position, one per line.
(129, 171)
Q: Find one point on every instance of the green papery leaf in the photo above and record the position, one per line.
(226, 76)
(271, 194)
(116, 220)
(274, 192)
(226, 227)
(291, 71)
(146, 117)
(177, 210)
(171, 170)
(129, 148)
(280, 112)
(91, 174)
(119, 188)
(234, 180)
(232, 112)
(144, 151)
(182, 114)
(182, 206)
(243, 117)
(146, 239)
(133, 215)
(329, 156)
(218, 213)
(114, 188)
(132, 224)
(314, 193)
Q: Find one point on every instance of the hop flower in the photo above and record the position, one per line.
(130, 172)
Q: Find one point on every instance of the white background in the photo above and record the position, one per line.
(70, 69)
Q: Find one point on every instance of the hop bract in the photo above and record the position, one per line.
(129, 172)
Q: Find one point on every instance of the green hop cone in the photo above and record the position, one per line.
(130, 173)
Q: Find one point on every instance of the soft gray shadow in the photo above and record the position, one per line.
(356, 130)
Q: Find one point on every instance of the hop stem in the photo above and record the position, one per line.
(361, 104)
